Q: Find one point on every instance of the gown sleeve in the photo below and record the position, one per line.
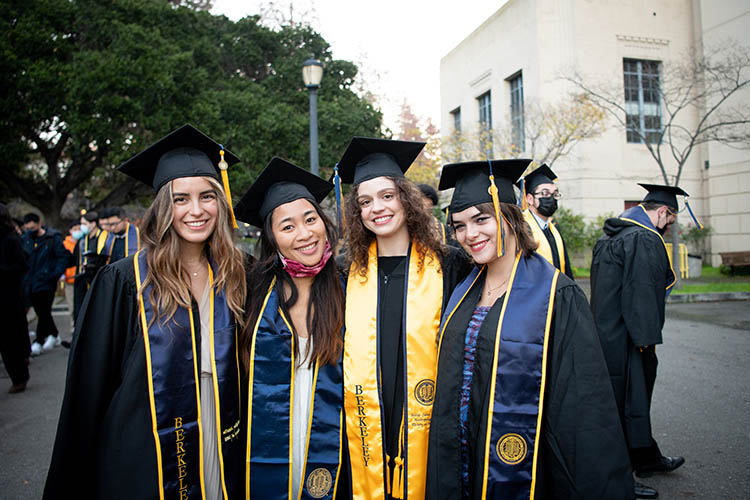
(644, 288)
(105, 331)
(583, 451)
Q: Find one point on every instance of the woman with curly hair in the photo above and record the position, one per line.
(523, 406)
(400, 276)
(292, 340)
(152, 404)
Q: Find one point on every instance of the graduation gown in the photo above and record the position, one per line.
(105, 443)
(582, 452)
(551, 243)
(630, 279)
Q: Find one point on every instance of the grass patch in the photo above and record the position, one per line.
(716, 287)
(581, 272)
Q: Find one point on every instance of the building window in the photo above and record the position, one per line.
(485, 122)
(642, 102)
(456, 113)
(516, 111)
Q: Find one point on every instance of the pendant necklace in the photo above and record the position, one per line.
(490, 290)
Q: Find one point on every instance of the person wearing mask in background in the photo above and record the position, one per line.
(400, 277)
(123, 238)
(89, 257)
(14, 338)
(631, 277)
(47, 261)
(70, 242)
(522, 406)
(292, 341)
(539, 195)
(152, 398)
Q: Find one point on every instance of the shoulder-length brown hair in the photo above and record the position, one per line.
(170, 279)
(325, 312)
(419, 223)
(513, 215)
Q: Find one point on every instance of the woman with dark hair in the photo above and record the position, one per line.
(400, 276)
(292, 340)
(14, 341)
(523, 406)
(152, 400)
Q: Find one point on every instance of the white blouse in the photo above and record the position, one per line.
(303, 381)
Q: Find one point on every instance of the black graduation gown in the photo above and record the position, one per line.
(629, 275)
(14, 338)
(104, 446)
(582, 453)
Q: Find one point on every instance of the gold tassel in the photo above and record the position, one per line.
(223, 166)
(397, 490)
(524, 201)
(496, 206)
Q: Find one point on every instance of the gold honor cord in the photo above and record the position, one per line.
(669, 260)
(250, 389)
(544, 248)
(537, 437)
(149, 378)
(493, 376)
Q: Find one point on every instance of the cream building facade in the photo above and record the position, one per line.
(520, 55)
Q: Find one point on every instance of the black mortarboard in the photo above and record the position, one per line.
(367, 158)
(666, 195)
(541, 175)
(185, 152)
(280, 182)
(472, 181)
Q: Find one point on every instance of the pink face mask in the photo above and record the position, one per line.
(299, 270)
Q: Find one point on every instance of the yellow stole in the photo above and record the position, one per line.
(544, 249)
(371, 478)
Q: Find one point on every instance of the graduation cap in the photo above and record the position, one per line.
(367, 158)
(185, 152)
(474, 183)
(667, 195)
(280, 182)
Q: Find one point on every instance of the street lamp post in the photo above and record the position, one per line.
(312, 73)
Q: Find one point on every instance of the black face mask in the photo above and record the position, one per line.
(547, 206)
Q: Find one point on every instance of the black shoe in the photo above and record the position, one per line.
(643, 491)
(666, 464)
(65, 344)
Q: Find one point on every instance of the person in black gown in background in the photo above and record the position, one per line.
(522, 403)
(631, 277)
(151, 407)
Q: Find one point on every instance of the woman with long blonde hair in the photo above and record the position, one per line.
(151, 406)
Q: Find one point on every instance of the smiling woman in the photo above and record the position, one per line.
(153, 372)
(291, 342)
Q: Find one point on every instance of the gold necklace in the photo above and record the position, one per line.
(490, 290)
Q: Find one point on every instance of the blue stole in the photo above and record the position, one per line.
(517, 389)
(132, 240)
(638, 216)
(173, 362)
(271, 395)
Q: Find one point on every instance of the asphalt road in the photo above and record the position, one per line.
(701, 408)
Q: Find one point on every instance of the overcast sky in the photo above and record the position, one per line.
(397, 44)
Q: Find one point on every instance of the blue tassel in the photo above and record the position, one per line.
(337, 190)
(695, 219)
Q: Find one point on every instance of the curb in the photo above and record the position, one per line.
(707, 297)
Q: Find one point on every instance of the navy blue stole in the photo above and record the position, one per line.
(173, 362)
(638, 216)
(517, 389)
(271, 397)
(132, 240)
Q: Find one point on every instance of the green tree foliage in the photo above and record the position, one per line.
(580, 236)
(88, 84)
